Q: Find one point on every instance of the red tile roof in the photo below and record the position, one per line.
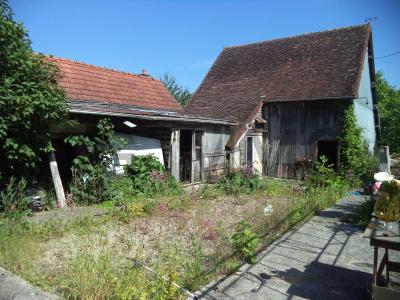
(319, 65)
(84, 82)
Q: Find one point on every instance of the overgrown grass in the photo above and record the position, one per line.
(186, 238)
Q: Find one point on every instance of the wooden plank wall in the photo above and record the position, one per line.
(298, 126)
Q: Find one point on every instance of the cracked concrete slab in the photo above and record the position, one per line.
(324, 258)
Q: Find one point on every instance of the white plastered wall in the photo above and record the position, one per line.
(137, 145)
(363, 107)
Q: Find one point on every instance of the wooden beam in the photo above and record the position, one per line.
(175, 155)
(55, 174)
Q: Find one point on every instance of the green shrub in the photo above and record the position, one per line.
(357, 164)
(245, 242)
(30, 100)
(13, 199)
(91, 174)
(275, 187)
(244, 181)
(369, 166)
(207, 191)
(122, 189)
(90, 188)
(141, 167)
(323, 175)
(130, 198)
(149, 178)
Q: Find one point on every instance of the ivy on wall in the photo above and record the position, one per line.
(356, 162)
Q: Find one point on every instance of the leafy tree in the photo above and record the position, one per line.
(389, 110)
(29, 100)
(181, 94)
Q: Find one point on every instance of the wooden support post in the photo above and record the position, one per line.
(375, 268)
(387, 265)
(55, 174)
(175, 155)
(384, 159)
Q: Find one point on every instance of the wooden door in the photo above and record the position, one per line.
(197, 162)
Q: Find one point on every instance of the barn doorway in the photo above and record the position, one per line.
(329, 149)
(197, 156)
(185, 161)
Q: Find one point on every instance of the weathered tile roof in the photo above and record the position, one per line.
(83, 82)
(320, 65)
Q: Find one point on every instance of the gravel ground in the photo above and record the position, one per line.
(66, 214)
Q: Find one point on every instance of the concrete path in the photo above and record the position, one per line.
(13, 287)
(324, 258)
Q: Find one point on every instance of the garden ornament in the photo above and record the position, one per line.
(268, 210)
(383, 176)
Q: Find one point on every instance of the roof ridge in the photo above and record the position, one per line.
(300, 35)
(68, 60)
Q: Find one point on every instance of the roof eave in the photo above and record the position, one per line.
(312, 99)
(357, 82)
(181, 118)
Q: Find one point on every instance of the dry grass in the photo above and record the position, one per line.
(92, 257)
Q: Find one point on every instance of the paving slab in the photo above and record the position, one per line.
(325, 258)
(15, 288)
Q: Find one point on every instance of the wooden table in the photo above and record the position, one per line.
(388, 239)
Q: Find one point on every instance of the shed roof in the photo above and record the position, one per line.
(87, 83)
(321, 65)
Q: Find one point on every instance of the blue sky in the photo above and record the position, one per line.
(183, 38)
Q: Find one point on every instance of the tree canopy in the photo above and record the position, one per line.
(181, 94)
(389, 111)
(30, 99)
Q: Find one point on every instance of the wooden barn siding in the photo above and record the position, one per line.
(298, 126)
(214, 155)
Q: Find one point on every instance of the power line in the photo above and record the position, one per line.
(397, 52)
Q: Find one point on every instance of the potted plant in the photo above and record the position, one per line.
(387, 205)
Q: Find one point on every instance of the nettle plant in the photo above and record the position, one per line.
(91, 168)
(245, 242)
(149, 177)
(323, 174)
(244, 181)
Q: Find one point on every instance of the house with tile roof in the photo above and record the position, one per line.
(143, 111)
(288, 96)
